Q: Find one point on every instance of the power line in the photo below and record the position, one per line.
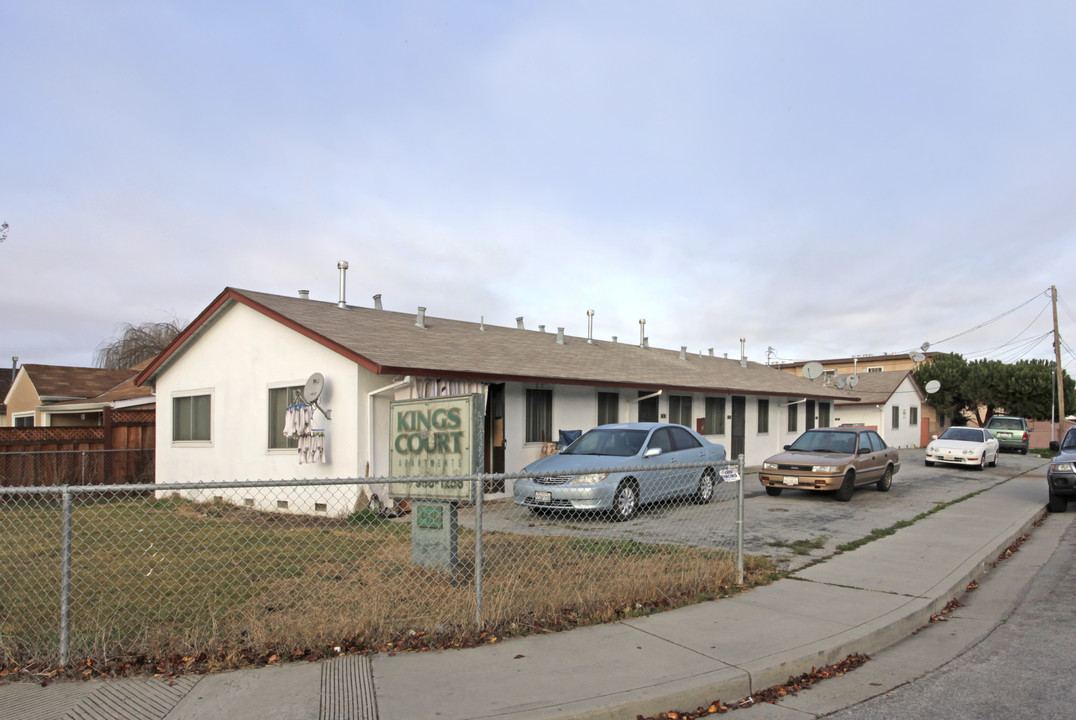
(992, 320)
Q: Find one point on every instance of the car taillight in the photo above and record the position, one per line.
(1025, 436)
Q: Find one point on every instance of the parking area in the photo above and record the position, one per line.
(795, 528)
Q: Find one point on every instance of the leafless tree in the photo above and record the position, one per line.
(135, 343)
(3, 232)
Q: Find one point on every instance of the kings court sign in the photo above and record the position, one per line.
(433, 437)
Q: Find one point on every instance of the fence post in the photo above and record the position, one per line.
(739, 522)
(65, 577)
(480, 496)
(82, 480)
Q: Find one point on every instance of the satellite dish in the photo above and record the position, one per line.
(841, 382)
(916, 356)
(315, 384)
(853, 380)
(925, 346)
(812, 370)
(932, 387)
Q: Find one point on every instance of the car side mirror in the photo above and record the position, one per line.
(787, 447)
(863, 451)
(1055, 446)
(933, 437)
(652, 452)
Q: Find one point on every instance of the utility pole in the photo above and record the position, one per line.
(1060, 375)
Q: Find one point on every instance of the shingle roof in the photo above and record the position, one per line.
(125, 390)
(876, 388)
(58, 381)
(391, 343)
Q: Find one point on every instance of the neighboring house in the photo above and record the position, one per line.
(6, 378)
(861, 366)
(59, 396)
(889, 402)
(224, 384)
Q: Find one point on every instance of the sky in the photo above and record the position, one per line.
(822, 179)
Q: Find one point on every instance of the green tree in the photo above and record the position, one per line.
(984, 388)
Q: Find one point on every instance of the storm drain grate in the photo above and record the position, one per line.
(136, 699)
(347, 689)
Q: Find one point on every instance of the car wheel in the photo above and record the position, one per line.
(982, 463)
(928, 463)
(773, 491)
(706, 487)
(848, 486)
(1023, 451)
(1058, 504)
(886, 482)
(994, 462)
(625, 502)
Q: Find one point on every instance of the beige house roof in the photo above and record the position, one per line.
(393, 343)
(876, 388)
(125, 390)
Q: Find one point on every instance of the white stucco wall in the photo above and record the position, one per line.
(880, 416)
(236, 361)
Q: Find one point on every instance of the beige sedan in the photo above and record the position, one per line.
(837, 459)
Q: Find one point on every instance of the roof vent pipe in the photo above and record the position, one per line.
(420, 319)
(743, 355)
(646, 342)
(560, 336)
(590, 327)
(642, 333)
(482, 323)
(614, 338)
(541, 328)
(683, 352)
(342, 265)
(377, 301)
(519, 322)
(304, 294)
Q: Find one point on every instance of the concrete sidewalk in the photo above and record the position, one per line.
(857, 602)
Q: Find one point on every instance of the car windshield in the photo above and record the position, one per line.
(827, 442)
(1069, 443)
(1004, 424)
(962, 434)
(621, 443)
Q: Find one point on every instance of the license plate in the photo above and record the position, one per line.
(792, 481)
(543, 497)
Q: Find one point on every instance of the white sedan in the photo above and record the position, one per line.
(964, 446)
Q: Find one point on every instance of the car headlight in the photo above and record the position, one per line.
(825, 468)
(968, 453)
(930, 449)
(1061, 467)
(588, 479)
(769, 466)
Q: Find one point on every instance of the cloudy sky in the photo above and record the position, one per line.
(822, 178)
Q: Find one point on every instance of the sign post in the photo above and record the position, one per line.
(435, 437)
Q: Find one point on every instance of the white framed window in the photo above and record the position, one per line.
(23, 420)
(279, 399)
(192, 418)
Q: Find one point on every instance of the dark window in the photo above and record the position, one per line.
(913, 416)
(683, 440)
(24, 421)
(809, 418)
(279, 400)
(793, 417)
(715, 416)
(896, 417)
(648, 408)
(608, 408)
(680, 410)
(763, 415)
(539, 416)
(191, 418)
(823, 414)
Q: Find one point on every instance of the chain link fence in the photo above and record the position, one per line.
(222, 574)
(76, 467)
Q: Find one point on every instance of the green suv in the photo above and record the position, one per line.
(1011, 432)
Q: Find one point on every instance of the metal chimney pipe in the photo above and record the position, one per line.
(519, 322)
(560, 336)
(420, 319)
(342, 265)
(683, 352)
(642, 333)
(711, 352)
(304, 294)
(541, 328)
(590, 327)
(377, 302)
(614, 339)
(743, 353)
